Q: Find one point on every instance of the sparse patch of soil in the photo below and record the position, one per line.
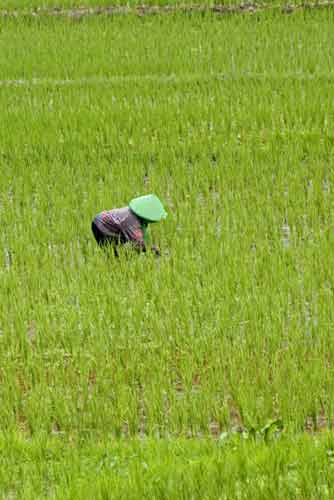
(141, 10)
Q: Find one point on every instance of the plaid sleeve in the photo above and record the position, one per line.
(135, 234)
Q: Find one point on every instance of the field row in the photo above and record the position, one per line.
(70, 8)
(198, 45)
(148, 6)
(107, 364)
(236, 467)
(243, 162)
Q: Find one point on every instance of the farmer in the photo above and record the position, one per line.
(129, 224)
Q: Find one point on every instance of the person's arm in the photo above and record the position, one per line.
(136, 235)
(147, 241)
(138, 241)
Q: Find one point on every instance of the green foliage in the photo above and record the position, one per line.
(229, 122)
(175, 469)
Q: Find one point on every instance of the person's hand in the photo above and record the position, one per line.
(156, 250)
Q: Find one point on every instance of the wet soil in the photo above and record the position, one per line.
(142, 10)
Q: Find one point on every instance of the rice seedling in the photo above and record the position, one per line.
(109, 364)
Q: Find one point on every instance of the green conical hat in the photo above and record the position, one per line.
(148, 207)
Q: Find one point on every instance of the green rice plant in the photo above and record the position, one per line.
(51, 466)
(229, 121)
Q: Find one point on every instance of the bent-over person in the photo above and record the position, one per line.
(129, 224)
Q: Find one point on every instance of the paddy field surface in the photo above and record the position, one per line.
(206, 373)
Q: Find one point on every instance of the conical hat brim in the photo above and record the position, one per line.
(148, 207)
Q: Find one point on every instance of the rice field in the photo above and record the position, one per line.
(40, 5)
(206, 373)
